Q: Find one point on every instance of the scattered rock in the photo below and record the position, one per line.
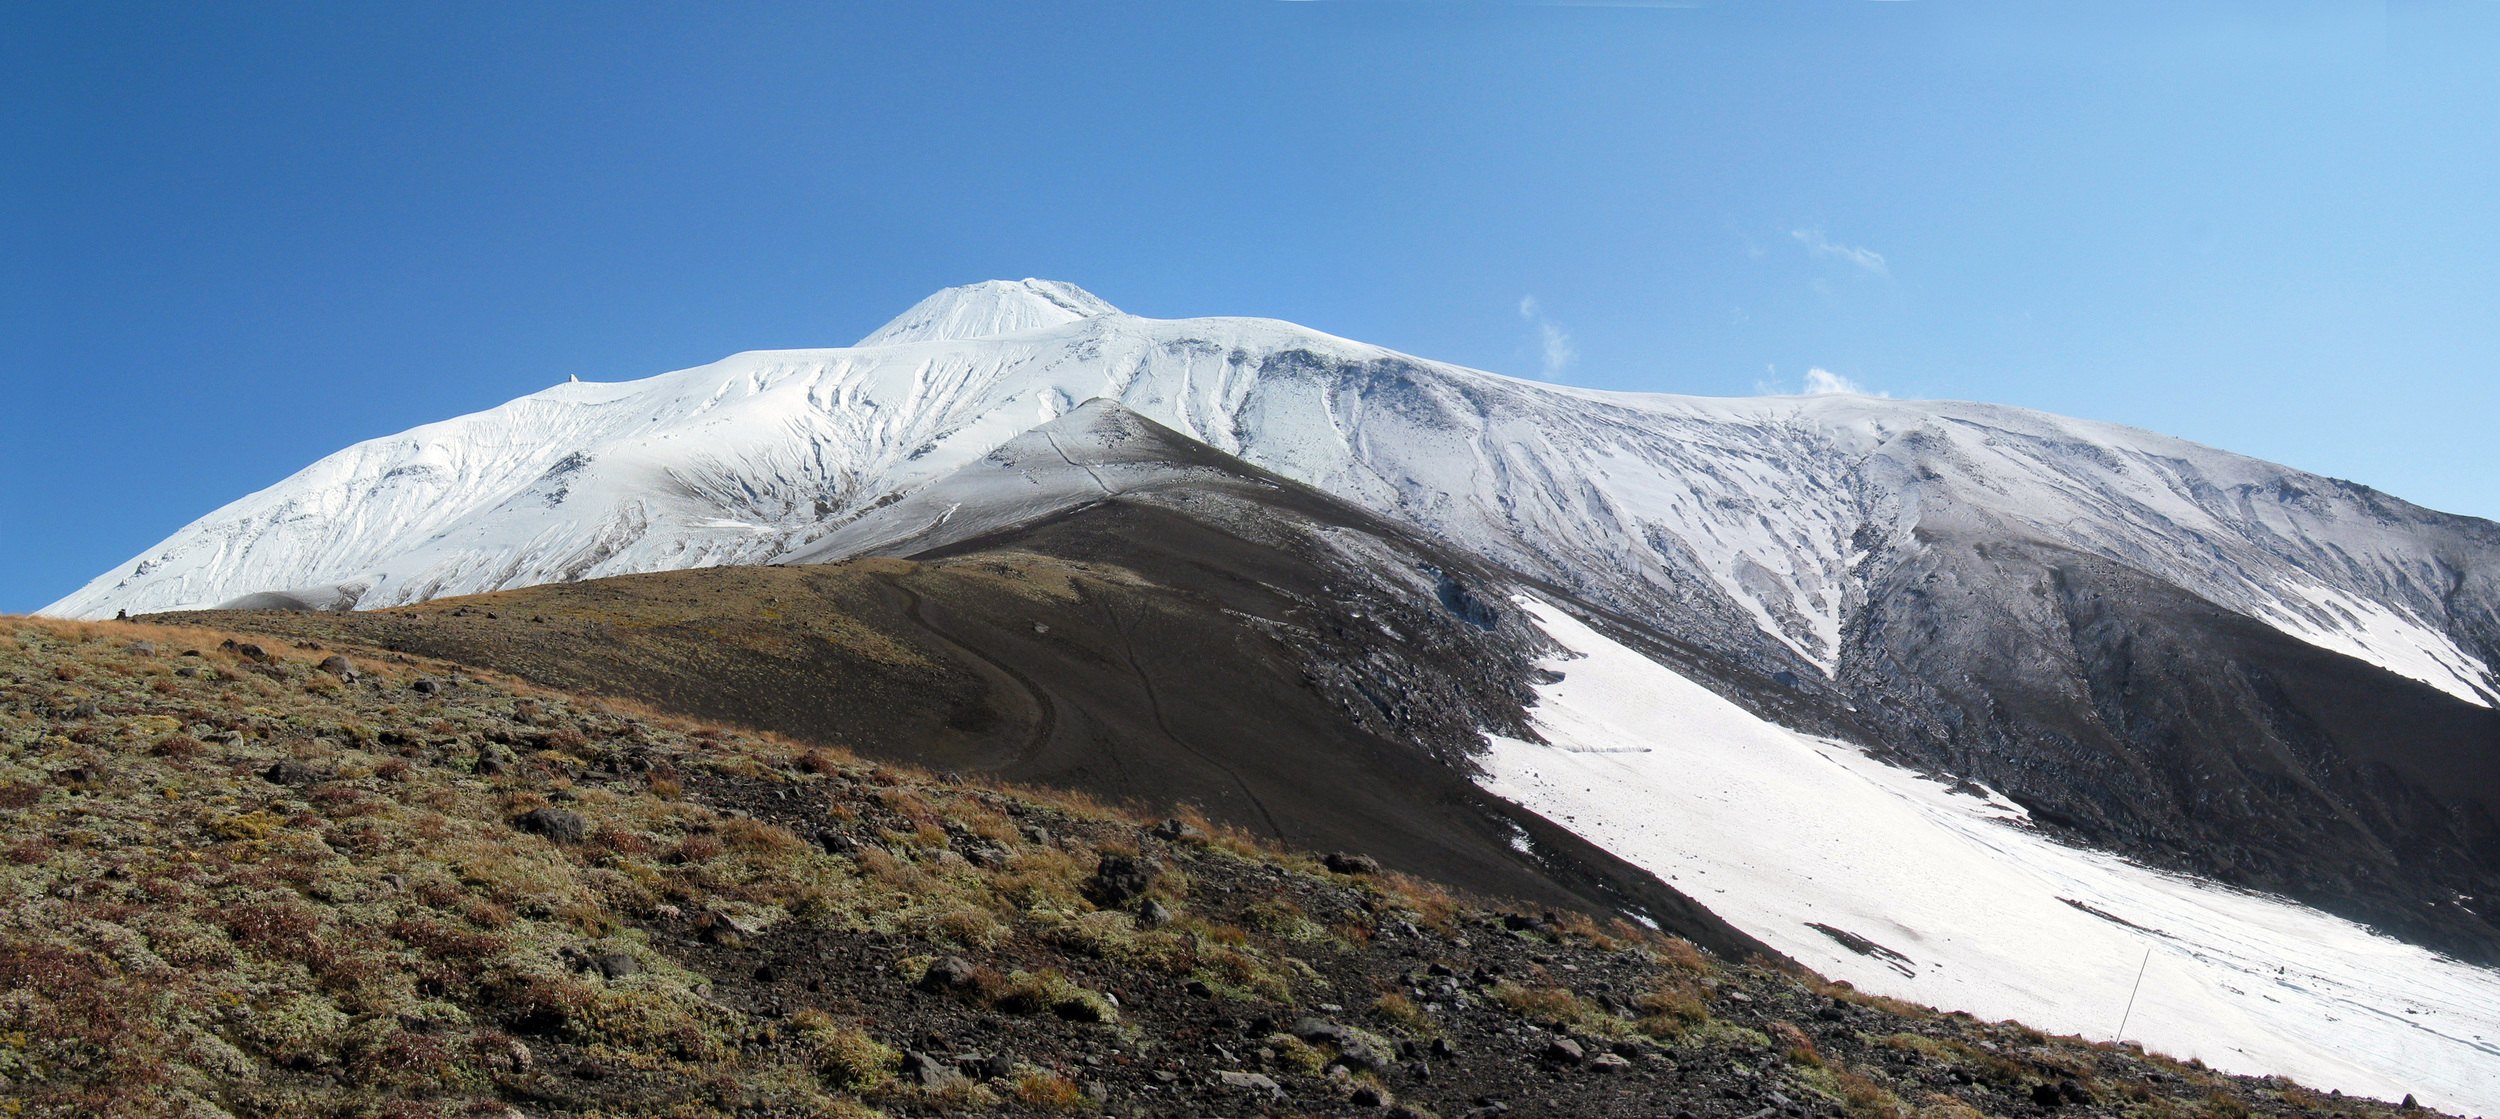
(553, 823)
(143, 648)
(1565, 1051)
(1608, 1062)
(1343, 863)
(1365, 1096)
(339, 666)
(1153, 915)
(425, 687)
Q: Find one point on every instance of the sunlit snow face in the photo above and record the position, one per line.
(1779, 833)
(1768, 514)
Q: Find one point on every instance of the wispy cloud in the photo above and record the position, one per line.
(1819, 382)
(1820, 246)
(1558, 352)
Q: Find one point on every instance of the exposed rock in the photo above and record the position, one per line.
(1180, 831)
(1250, 1082)
(949, 974)
(554, 823)
(931, 1073)
(339, 666)
(1357, 1049)
(1564, 1050)
(1344, 863)
(1119, 879)
(295, 773)
(993, 1066)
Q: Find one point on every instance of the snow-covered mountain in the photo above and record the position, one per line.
(1758, 521)
(1833, 661)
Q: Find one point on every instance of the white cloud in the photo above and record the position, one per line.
(1818, 245)
(1821, 381)
(1558, 352)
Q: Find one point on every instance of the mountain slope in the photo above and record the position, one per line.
(1137, 616)
(1757, 525)
(263, 888)
(1183, 628)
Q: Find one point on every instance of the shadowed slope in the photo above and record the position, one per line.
(1287, 663)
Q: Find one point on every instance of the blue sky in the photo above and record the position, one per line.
(234, 238)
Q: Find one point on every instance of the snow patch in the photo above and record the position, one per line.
(1951, 901)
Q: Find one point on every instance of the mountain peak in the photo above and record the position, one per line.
(990, 307)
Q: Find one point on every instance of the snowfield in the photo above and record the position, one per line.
(1777, 832)
(1762, 517)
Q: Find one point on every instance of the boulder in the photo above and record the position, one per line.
(931, 1073)
(295, 773)
(1119, 879)
(949, 974)
(1343, 863)
(994, 1066)
(1359, 1050)
(1180, 831)
(1250, 1082)
(554, 823)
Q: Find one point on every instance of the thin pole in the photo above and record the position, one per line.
(2139, 985)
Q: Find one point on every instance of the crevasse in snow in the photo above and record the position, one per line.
(1766, 513)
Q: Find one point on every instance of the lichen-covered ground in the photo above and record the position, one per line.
(238, 881)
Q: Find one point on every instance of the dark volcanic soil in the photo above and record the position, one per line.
(1278, 691)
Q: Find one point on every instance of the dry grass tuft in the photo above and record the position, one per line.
(1050, 1091)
